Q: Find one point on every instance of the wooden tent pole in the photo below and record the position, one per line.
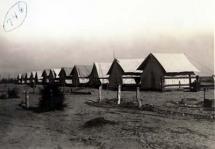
(119, 94)
(138, 97)
(190, 81)
(162, 83)
(100, 93)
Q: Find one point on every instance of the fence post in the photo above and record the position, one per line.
(161, 79)
(27, 99)
(204, 92)
(189, 81)
(138, 97)
(119, 94)
(100, 93)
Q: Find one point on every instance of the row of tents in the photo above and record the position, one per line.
(154, 72)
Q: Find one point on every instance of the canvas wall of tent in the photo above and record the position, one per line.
(80, 74)
(98, 75)
(166, 70)
(54, 75)
(124, 72)
(65, 77)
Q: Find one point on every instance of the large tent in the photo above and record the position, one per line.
(99, 75)
(80, 74)
(166, 69)
(124, 72)
(64, 76)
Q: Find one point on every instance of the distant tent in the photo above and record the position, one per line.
(99, 75)
(124, 71)
(166, 69)
(27, 77)
(45, 76)
(32, 77)
(36, 77)
(19, 78)
(23, 78)
(64, 76)
(54, 75)
(80, 74)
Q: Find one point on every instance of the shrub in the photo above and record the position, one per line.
(52, 98)
(13, 93)
(3, 96)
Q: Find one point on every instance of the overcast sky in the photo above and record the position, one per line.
(60, 33)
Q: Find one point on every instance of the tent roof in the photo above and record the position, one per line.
(83, 70)
(28, 74)
(56, 70)
(19, 76)
(128, 65)
(67, 70)
(47, 71)
(173, 62)
(39, 74)
(102, 69)
(23, 75)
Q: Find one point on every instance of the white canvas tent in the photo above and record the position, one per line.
(80, 74)
(64, 75)
(27, 77)
(99, 75)
(166, 69)
(124, 71)
(45, 76)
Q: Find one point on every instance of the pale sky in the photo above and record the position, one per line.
(59, 33)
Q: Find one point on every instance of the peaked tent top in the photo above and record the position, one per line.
(39, 74)
(173, 62)
(83, 70)
(67, 70)
(102, 69)
(128, 65)
(56, 72)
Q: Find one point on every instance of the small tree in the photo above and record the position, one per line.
(52, 98)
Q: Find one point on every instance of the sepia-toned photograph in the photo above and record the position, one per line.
(107, 74)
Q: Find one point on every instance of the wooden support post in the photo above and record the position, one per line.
(189, 81)
(119, 94)
(100, 93)
(179, 84)
(162, 83)
(27, 104)
(204, 92)
(138, 97)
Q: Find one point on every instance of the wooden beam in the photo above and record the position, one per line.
(119, 94)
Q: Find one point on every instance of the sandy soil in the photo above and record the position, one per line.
(134, 128)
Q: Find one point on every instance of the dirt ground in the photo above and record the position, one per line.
(132, 128)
